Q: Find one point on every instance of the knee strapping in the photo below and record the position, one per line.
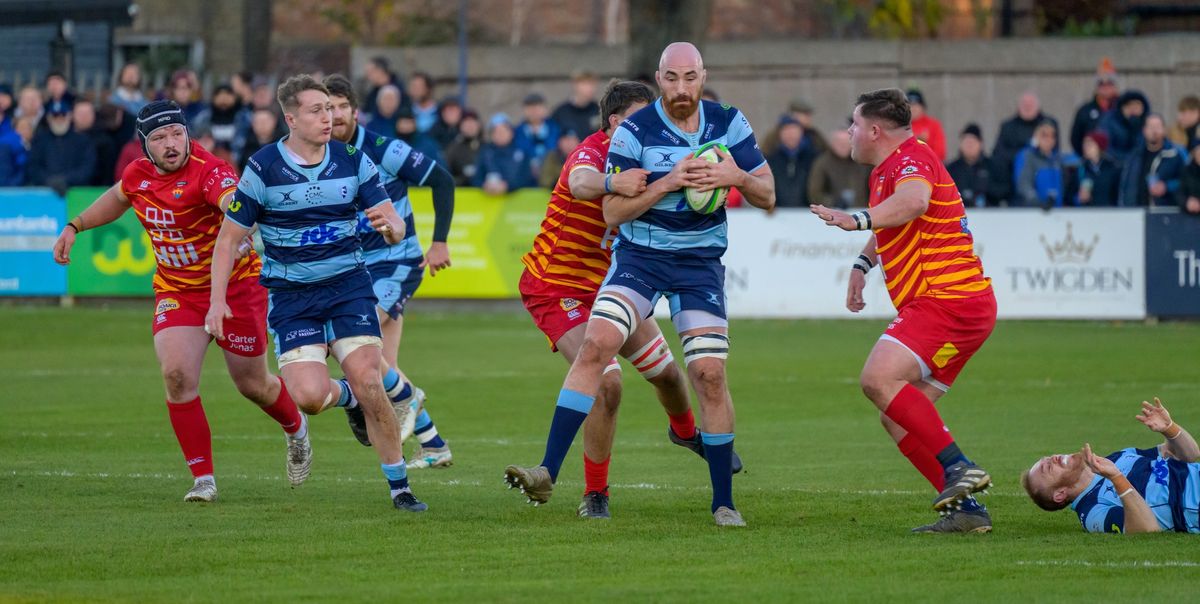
(712, 344)
(653, 358)
(616, 311)
(342, 347)
(315, 353)
(612, 366)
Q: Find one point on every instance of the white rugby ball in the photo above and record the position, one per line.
(708, 201)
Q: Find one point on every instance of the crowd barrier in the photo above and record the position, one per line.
(1121, 263)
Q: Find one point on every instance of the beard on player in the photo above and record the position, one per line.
(683, 105)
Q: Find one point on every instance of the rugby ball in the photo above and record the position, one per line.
(708, 201)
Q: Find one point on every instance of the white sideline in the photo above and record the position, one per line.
(1126, 564)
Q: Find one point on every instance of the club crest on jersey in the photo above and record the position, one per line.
(379, 140)
(177, 192)
(166, 304)
(344, 191)
(145, 184)
(350, 150)
(908, 170)
(568, 303)
(229, 181)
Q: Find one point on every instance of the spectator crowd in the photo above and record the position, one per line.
(1118, 151)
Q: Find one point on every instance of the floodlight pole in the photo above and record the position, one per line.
(462, 52)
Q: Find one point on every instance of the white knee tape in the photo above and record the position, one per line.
(315, 353)
(342, 347)
(612, 366)
(653, 358)
(616, 311)
(710, 344)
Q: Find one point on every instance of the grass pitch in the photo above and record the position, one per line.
(91, 479)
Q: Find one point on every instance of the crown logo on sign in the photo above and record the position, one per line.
(1069, 249)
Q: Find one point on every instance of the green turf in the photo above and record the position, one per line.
(91, 478)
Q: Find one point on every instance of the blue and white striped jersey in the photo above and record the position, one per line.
(399, 166)
(1171, 488)
(307, 216)
(649, 140)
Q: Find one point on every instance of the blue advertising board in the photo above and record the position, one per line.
(1173, 265)
(30, 220)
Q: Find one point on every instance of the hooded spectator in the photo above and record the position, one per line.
(926, 127)
(223, 124)
(1189, 188)
(1124, 124)
(972, 170)
(60, 156)
(1152, 172)
(1088, 116)
(1016, 133)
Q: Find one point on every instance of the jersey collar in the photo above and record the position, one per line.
(311, 173)
(692, 139)
(1096, 480)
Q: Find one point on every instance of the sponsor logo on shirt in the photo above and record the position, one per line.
(319, 235)
(568, 303)
(288, 173)
(228, 182)
(300, 333)
(671, 137)
(145, 184)
(332, 167)
(666, 159)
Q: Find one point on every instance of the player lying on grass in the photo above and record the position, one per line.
(568, 262)
(1130, 491)
(178, 191)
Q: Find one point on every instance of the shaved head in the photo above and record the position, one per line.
(681, 79)
(680, 54)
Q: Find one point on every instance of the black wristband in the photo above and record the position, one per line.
(72, 225)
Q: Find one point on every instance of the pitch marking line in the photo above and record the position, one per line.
(650, 486)
(1128, 564)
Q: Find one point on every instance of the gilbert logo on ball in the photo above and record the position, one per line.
(708, 201)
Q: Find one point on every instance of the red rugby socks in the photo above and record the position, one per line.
(284, 411)
(916, 414)
(595, 475)
(924, 461)
(683, 425)
(195, 439)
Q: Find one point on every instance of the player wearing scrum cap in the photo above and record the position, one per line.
(178, 191)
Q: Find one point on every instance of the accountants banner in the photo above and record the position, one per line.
(30, 220)
(113, 260)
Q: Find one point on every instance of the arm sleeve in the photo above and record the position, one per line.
(246, 207)
(742, 144)
(370, 187)
(442, 184)
(220, 180)
(625, 150)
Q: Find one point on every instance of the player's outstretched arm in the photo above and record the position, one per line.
(586, 183)
(225, 252)
(437, 257)
(107, 208)
(757, 187)
(910, 200)
(858, 276)
(1138, 517)
(619, 209)
(1179, 444)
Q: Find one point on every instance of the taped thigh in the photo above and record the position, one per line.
(342, 347)
(705, 345)
(315, 353)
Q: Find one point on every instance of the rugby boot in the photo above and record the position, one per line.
(534, 482)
